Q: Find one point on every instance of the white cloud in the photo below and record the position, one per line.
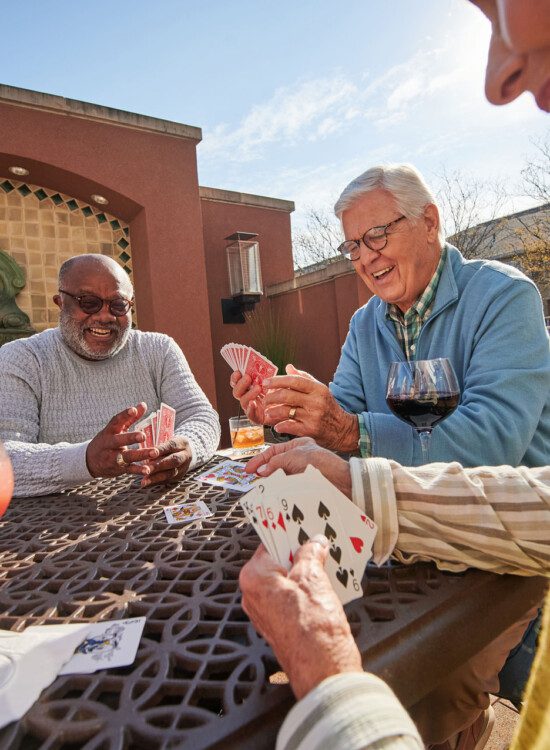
(309, 109)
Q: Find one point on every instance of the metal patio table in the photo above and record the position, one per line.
(201, 678)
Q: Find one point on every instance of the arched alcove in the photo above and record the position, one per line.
(40, 228)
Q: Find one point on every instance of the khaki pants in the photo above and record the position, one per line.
(460, 698)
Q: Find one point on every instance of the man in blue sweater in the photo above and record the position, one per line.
(485, 316)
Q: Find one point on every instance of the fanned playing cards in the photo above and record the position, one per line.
(158, 426)
(286, 511)
(248, 361)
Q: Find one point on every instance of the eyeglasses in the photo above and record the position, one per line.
(375, 238)
(91, 304)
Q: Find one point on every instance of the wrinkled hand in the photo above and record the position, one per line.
(300, 615)
(293, 457)
(172, 464)
(112, 443)
(316, 412)
(249, 396)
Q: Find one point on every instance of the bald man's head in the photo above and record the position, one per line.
(80, 265)
(94, 282)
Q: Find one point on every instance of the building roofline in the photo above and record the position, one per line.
(61, 105)
(245, 199)
(515, 215)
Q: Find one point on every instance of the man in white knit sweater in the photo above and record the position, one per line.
(69, 395)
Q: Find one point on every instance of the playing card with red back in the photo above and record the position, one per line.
(259, 368)
(166, 423)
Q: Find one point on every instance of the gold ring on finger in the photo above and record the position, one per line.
(120, 462)
(292, 413)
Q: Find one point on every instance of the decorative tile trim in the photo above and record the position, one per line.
(42, 194)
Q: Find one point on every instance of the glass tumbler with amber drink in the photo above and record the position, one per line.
(245, 434)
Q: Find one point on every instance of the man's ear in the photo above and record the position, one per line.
(58, 301)
(431, 221)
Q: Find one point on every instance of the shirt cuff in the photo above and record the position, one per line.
(373, 492)
(73, 466)
(351, 710)
(194, 461)
(365, 442)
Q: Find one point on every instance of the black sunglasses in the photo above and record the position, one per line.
(91, 304)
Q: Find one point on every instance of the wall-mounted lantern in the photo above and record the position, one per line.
(245, 277)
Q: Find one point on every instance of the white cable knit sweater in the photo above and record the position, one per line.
(53, 402)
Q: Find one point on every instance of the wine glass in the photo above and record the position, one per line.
(6, 480)
(422, 394)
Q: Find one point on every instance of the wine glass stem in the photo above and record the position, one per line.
(425, 437)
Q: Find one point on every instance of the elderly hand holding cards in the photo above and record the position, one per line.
(297, 404)
(172, 452)
(109, 453)
(299, 615)
(159, 457)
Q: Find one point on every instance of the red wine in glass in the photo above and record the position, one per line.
(422, 394)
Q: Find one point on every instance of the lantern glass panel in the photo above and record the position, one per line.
(243, 261)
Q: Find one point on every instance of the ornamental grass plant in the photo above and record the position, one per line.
(272, 336)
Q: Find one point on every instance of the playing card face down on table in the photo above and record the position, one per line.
(228, 474)
(158, 426)
(248, 361)
(286, 511)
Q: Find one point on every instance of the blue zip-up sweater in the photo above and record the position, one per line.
(488, 320)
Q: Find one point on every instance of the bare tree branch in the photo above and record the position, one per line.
(319, 241)
(471, 210)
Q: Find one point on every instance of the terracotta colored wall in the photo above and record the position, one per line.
(273, 229)
(150, 180)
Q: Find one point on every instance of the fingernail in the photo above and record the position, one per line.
(145, 482)
(154, 453)
(266, 383)
(261, 469)
(320, 539)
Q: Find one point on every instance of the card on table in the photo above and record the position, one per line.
(286, 511)
(237, 453)
(229, 474)
(112, 643)
(187, 512)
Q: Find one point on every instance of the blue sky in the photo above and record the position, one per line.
(294, 98)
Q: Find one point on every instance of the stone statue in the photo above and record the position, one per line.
(14, 323)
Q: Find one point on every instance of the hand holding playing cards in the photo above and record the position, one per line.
(297, 404)
(249, 395)
(172, 463)
(300, 616)
(294, 457)
(108, 454)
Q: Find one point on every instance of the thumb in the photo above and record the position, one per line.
(312, 554)
(291, 370)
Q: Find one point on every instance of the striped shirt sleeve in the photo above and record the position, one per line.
(495, 518)
(350, 711)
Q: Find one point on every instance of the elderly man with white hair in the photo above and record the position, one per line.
(429, 302)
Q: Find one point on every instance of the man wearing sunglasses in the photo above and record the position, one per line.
(71, 394)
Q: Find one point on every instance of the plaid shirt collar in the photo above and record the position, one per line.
(408, 325)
